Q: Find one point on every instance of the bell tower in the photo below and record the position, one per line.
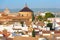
(26, 14)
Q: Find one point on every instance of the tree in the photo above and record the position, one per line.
(40, 18)
(33, 33)
(50, 25)
(49, 15)
(33, 17)
(48, 21)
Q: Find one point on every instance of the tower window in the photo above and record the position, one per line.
(22, 14)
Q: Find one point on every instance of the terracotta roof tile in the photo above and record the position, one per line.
(45, 31)
(56, 31)
(58, 23)
(40, 23)
(25, 38)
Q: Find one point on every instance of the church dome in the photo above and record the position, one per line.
(26, 9)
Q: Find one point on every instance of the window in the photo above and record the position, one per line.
(22, 14)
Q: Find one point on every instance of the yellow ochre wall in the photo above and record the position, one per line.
(26, 14)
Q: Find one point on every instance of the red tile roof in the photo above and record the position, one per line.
(58, 32)
(45, 31)
(58, 23)
(40, 23)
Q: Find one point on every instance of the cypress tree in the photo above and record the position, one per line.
(33, 33)
(33, 17)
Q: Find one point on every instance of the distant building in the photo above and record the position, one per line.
(6, 11)
(52, 19)
(26, 14)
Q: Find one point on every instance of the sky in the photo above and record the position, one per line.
(13, 4)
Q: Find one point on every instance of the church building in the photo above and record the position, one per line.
(26, 14)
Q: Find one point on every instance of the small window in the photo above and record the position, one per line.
(22, 14)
